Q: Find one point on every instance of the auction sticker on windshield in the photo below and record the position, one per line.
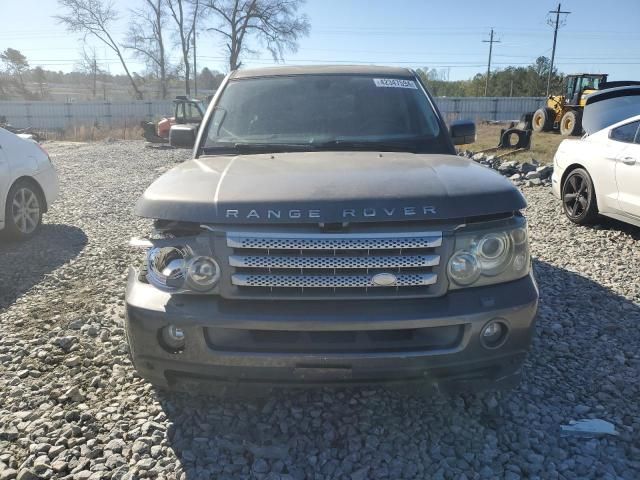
(394, 83)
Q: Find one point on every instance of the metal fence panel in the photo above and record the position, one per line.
(487, 108)
(56, 115)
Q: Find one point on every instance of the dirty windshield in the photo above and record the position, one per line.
(323, 111)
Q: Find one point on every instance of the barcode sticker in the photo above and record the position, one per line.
(394, 83)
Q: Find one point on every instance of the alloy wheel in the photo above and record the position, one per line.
(25, 210)
(576, 195)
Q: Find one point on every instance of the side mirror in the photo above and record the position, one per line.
(183, 136)
(462, 132)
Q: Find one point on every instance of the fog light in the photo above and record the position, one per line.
(494, 334)
(172, 338)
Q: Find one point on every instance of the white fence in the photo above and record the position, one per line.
(56, 115)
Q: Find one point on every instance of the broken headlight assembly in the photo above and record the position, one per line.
(491, 255)
(181, 264)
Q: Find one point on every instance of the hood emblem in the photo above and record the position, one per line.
(384, 279)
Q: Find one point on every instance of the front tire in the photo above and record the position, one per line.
(579, 198)
(542, 120)
(571, 123)
(23, 210)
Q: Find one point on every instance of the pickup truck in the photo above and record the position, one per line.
(326, 233)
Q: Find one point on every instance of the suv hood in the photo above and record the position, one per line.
(330, 187)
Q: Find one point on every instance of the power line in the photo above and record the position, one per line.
(555, 38)
(491, 41)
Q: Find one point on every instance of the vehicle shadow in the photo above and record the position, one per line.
(583, 364)
(610, 224)
(24, 264)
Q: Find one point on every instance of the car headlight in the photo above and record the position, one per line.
(203, 273)
(491, 255)
(182, 266)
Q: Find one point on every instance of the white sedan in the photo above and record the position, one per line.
(600, 173)
(28, 185)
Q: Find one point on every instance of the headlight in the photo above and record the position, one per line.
(464, 268)
(186, 268)
(491, 255)
(203, 273)
(167, 267)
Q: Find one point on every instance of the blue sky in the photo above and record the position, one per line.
(598, 36)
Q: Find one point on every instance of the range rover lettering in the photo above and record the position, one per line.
(325, 232)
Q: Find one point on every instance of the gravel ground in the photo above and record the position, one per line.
(71, 405)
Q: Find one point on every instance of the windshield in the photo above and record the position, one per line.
(324, 111)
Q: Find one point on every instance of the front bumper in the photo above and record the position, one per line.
(449, 360)
(47, 178)
(556, 180)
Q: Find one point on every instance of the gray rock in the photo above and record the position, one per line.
(65, 342)
(26, 474)
(141, 446)
(116, 445)
(9, 432)
(260, 466)
(545, 171)
(59, 466)
(73, 361)
(8, 474)
(360, 474)
(146, 463)
(114, 461)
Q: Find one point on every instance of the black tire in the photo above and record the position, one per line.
(579, 198)
(542, 120)
(571, 123)
(23, 210)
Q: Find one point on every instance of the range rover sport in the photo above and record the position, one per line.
(325, 232)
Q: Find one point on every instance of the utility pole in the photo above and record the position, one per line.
(556, 25)
(491, 41)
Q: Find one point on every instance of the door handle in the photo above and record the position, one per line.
(629, 160)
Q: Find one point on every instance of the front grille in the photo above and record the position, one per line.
(295, 265)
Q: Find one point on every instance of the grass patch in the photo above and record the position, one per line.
(94, 133)
(543, 145)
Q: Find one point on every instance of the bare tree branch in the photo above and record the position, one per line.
(146, 39)
(89, 65)
(93, 17)
(276, 24)
(185, 14)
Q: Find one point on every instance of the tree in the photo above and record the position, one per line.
(185, 15)
(89, 66)
(210, 80)
(94, 17)
(146, 39)
(41, 79)
(529, 81)
(16, 63)
(275, 23)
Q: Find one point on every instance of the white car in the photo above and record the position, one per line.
(599, 174)
(28, 185)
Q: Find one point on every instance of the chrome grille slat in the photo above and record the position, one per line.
(328, 281)
(292, 241)
(353, 265)
(337, 262)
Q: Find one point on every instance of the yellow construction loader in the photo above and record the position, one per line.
(564, 112)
